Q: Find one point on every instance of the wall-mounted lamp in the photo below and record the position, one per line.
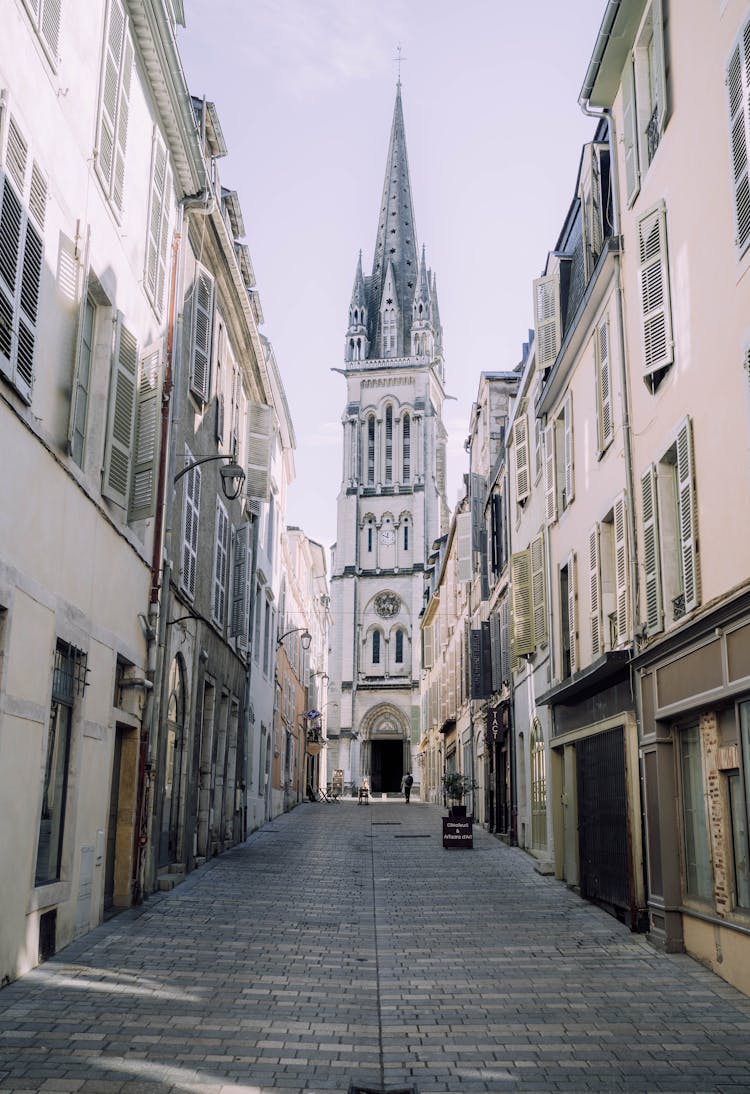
(232, 476)
(305, 638)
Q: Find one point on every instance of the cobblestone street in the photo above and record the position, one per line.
(342, 945)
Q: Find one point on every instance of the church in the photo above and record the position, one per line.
(392, 500)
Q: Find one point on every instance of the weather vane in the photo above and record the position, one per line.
(398, 61)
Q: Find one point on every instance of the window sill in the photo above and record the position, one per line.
(48, 896)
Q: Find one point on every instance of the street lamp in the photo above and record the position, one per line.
(232, 476)
(305, 639)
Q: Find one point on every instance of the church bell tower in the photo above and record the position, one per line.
(391, 504)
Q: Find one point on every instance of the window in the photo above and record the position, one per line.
(406, 448)
(45, 15)
(266, 638)
(698, 876)
(376, 647)
(390, 335)
(121, 421)
(609, 585)
(738, 91)
(528, 598)
(261, 442)
(221, 558)
(157, 237)
(239, 619)
(559, 478)
(656, 305)
(114, 108)
(201, 329)
(399, 647)
(68, 681)
(270, 528)
(604, 422)
(644, 94)
(258, 622)
(670, 533)
(590, 193)
(389, 444)
(82, 381)
(521, 448)
(190, 517)
(406, 535)
(547, 319)
(371, 450)
(369, 536)
(568, 619)
(739, 800)
(23, 201)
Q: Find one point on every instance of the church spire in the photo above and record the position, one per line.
(357, 343)
(395, 245)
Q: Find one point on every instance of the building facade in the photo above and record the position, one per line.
(391, 505)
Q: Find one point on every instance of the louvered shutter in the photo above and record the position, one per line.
(595, 580)
(191, 518)
(259, 451)
(572, 608)
(522, 604)
(49, 24)
(147, 435)
(687, 515)
(651, 559)
(591, 206)
(202, 307)
(655, 295)
(239, 616)
(604, 385)
(427, 648)
(738, 92)
(79, 383)
(547, 324)
(569, 470)
(123, 115)
(221, 553)
(156, 241)
(504, 640)
(658, 70)
(538, 590)
(550, 475)
(118, 449)
(622, 592)
(630, 132)
(496, 649)
(521, 444)
(463, 547)
(114, 109)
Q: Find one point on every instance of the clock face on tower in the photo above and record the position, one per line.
(387, 536)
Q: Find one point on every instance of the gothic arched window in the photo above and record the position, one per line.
(376, 647)
(389, 444)
(406, 535)
(371, 450)
(406, 448)
(399, 647)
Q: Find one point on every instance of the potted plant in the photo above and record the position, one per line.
(456, 786)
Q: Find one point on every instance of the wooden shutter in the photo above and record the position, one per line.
(221, 553)
(538, 590)
(191, 517)
(687, 515)
(49, 24)
(505, 640)
(202, 326)
(114, 109)
(622, 592)
(260, 426)
(591, 206)
(550, 475)
(595, 581)
(572, 606)
(651, 558)
(547, 323)
(738, 92)
(240, 612)
(568, 428)
(147, 435)
(427, 647)
(603, 385)
(463, 547)
(123, 114)
(655, 296)
(630, 132)
(521, 603)
(158, 223)
(521, 445)
(79, 384)
(118, 448)
(496, 650)
(658, 68)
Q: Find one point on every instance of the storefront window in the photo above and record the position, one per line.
(698, 878)
(739, 840)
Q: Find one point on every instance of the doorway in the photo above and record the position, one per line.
(387, 766)
(170, 794)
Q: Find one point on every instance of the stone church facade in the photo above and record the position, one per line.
(391, 504)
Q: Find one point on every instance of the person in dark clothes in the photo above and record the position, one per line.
(406, 785)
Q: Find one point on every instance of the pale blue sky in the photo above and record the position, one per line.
(305, 91)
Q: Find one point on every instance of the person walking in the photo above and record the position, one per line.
(406, 785)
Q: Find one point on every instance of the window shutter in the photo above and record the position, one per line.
(658, 72)
(568, 426)
(202, 326)
(550, 475)
(622, 597)
(521, 443)
(630, 132)
(427, 647)
(651, 560)
(604, 385)
(547, 326)
(122, 405)
(595, 618)
(572, 604)
(115, 104)
(687, 515)
(79, 381)
(591, 206)
(221, 552)
(220, 417)
(240, 612)
(123, 114)
(504, 641)
(496, 648)
(259, 451)
(147, 435)
(538, 590)
(158, 223)
(738, 91)
(191, 516)
(522, 605)
(463, 547)
(50, 24)
(655, 296)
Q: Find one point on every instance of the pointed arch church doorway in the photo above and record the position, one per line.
(387, 761)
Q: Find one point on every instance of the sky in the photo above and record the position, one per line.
(305, 91)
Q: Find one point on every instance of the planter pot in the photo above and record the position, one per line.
(457, 811)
